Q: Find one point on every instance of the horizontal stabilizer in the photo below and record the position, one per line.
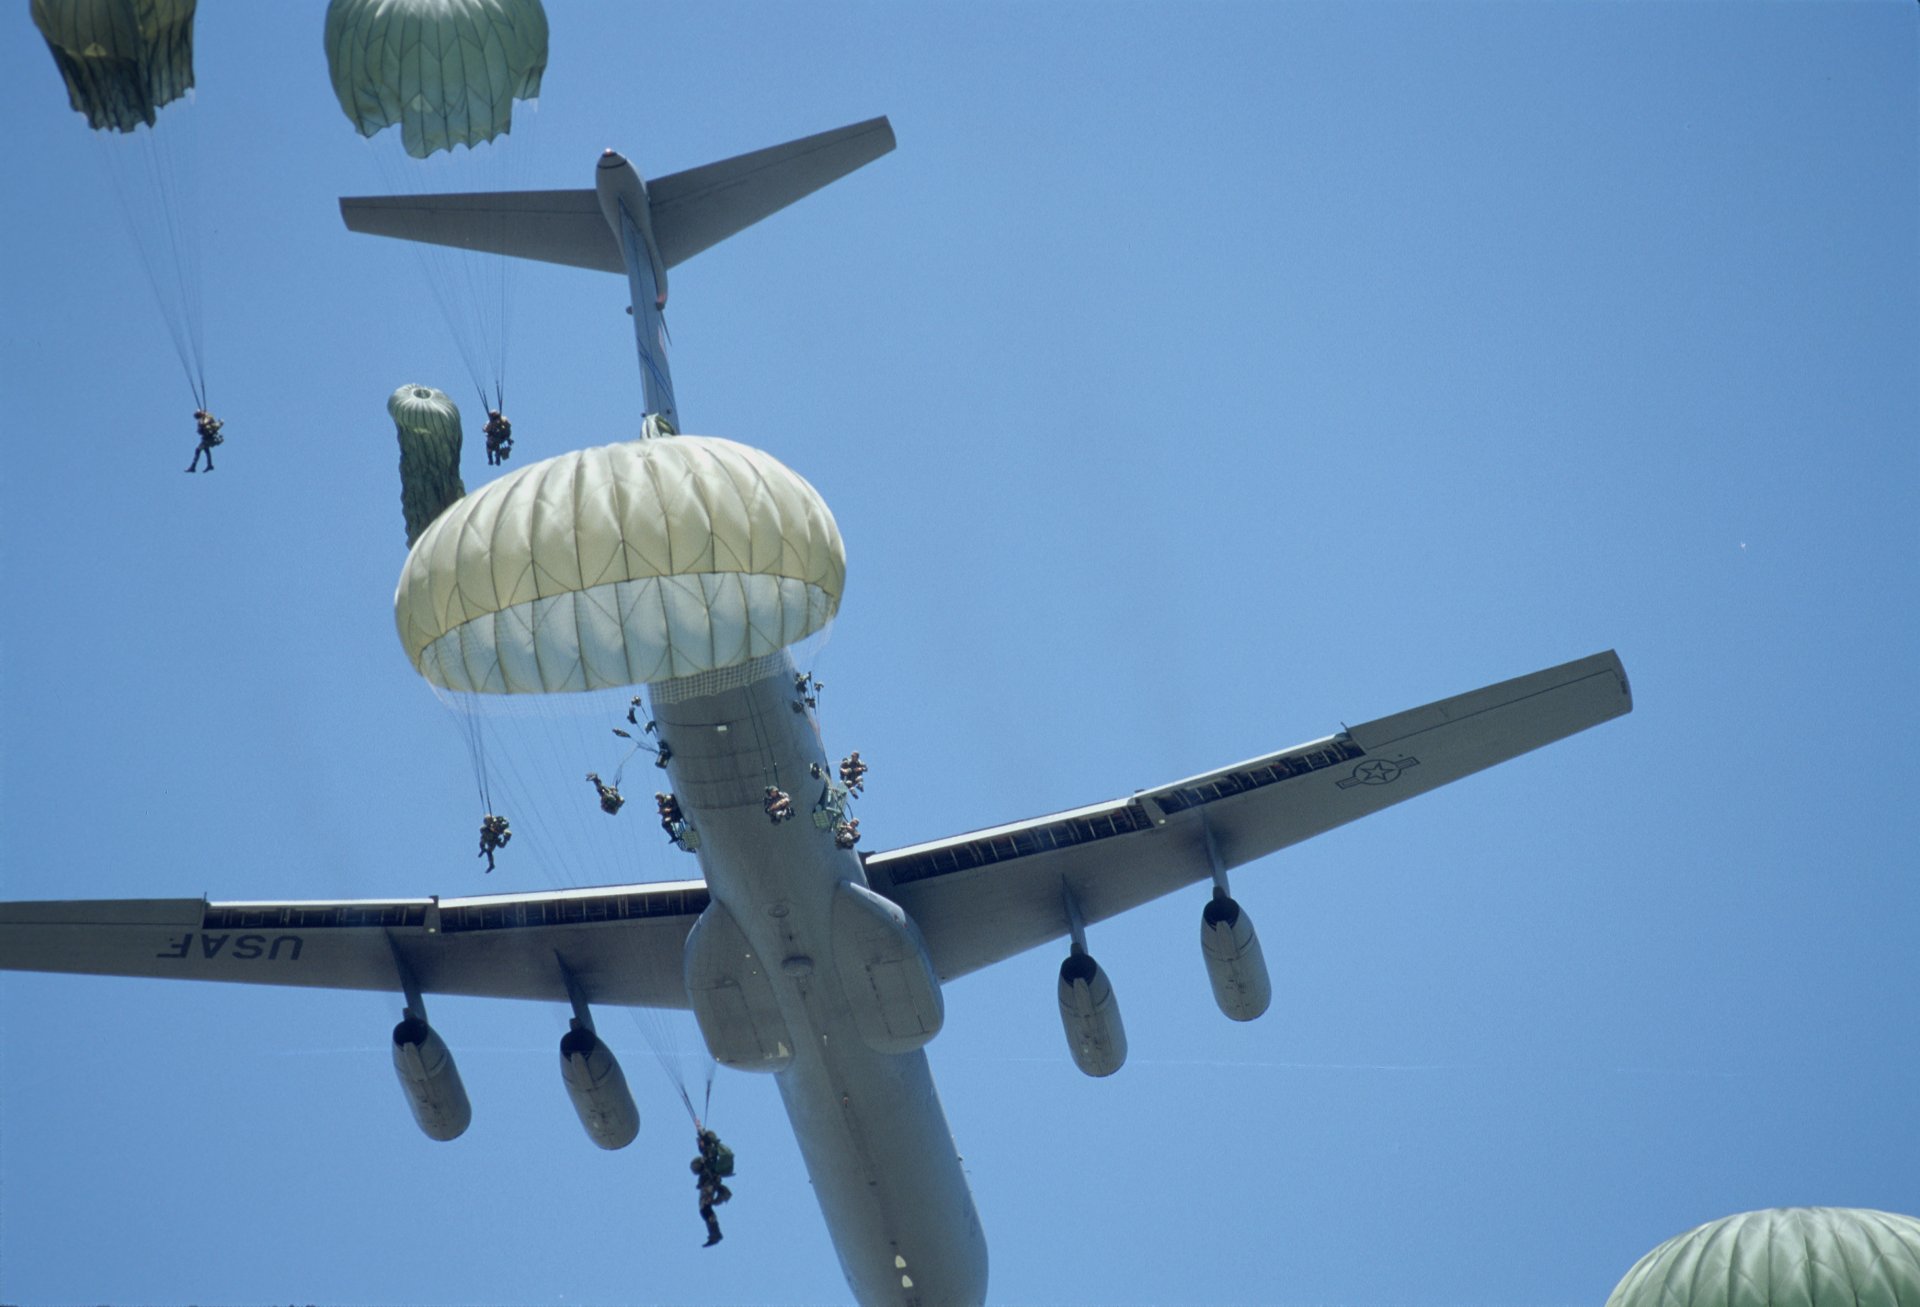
(552, 226)
(703, 206)
(690, 210)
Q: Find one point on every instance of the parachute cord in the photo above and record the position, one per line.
(145, 163)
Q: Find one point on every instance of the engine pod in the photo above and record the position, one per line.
(885, 971)
(430, 1080)
(598, 1088)
(1091, 1015)
(1236, 967)
(732, 996)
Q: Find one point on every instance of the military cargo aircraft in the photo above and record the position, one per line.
(800, 956)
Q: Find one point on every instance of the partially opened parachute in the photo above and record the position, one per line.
(622, 565)
(1783, 1257)
(428, 425)
(121, 59)
(448, 71)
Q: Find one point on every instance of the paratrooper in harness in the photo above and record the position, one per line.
(207, 427)
(610, 800)
(494, 835)
(853, 773)
(711, 1169)
(499, 433)
(779, 805)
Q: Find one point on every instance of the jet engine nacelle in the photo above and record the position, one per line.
(732, 996)
(1235, 963)
(430, 1080)
(885, 971)
(1091, 1014)
(598, 1088)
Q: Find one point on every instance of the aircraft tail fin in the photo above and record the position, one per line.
(690, 210)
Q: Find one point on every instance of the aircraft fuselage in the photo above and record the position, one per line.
(870, 1125)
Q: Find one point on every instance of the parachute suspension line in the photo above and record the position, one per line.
(473, 734)
(462, 282)
(152, 182)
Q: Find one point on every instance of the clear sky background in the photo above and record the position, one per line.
(1191, 380)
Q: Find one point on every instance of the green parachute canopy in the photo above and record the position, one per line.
(122, 59)
(1783, 1257)
(622, 565)
(428, 424)
(448, 71)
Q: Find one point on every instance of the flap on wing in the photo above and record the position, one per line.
(623, 944)
(985, 896)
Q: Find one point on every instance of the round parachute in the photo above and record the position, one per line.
(428, 424)
(121, 59)
(448, 71)
(1783, 1257)
(622, 565)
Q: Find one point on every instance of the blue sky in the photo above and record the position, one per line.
(1192, 379)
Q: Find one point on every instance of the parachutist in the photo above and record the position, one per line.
(853, 773)
(710, 1169)
(610, 800)
(779, 805)
(671, 818)
(207, 427)
(847, 833)
(494, 834)
(808, 689)
(499, 433)
(633, 715)
(664, 756)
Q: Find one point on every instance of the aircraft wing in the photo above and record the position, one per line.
(623, 943)
(988, 895)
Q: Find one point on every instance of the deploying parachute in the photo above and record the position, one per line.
(448, 71)
(622, 565)
(428, 424)
(121, 59)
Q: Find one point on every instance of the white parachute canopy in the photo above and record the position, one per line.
(1783, 1257)
(623, 565)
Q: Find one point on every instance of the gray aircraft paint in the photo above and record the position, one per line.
(870, 1126)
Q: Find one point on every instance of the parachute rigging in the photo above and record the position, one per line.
(447, 73)
(123, 62)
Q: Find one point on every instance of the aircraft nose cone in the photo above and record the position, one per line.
(611, 159)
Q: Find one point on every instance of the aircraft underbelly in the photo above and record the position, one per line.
(869, 1121)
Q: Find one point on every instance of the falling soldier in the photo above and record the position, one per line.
(499, 433)
(610, 800)
(711, 1169)
(853, 773)
(207, 426)
(847, 833)
(494, 835)
(808, 689)
(779, 805)
(671, 819)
